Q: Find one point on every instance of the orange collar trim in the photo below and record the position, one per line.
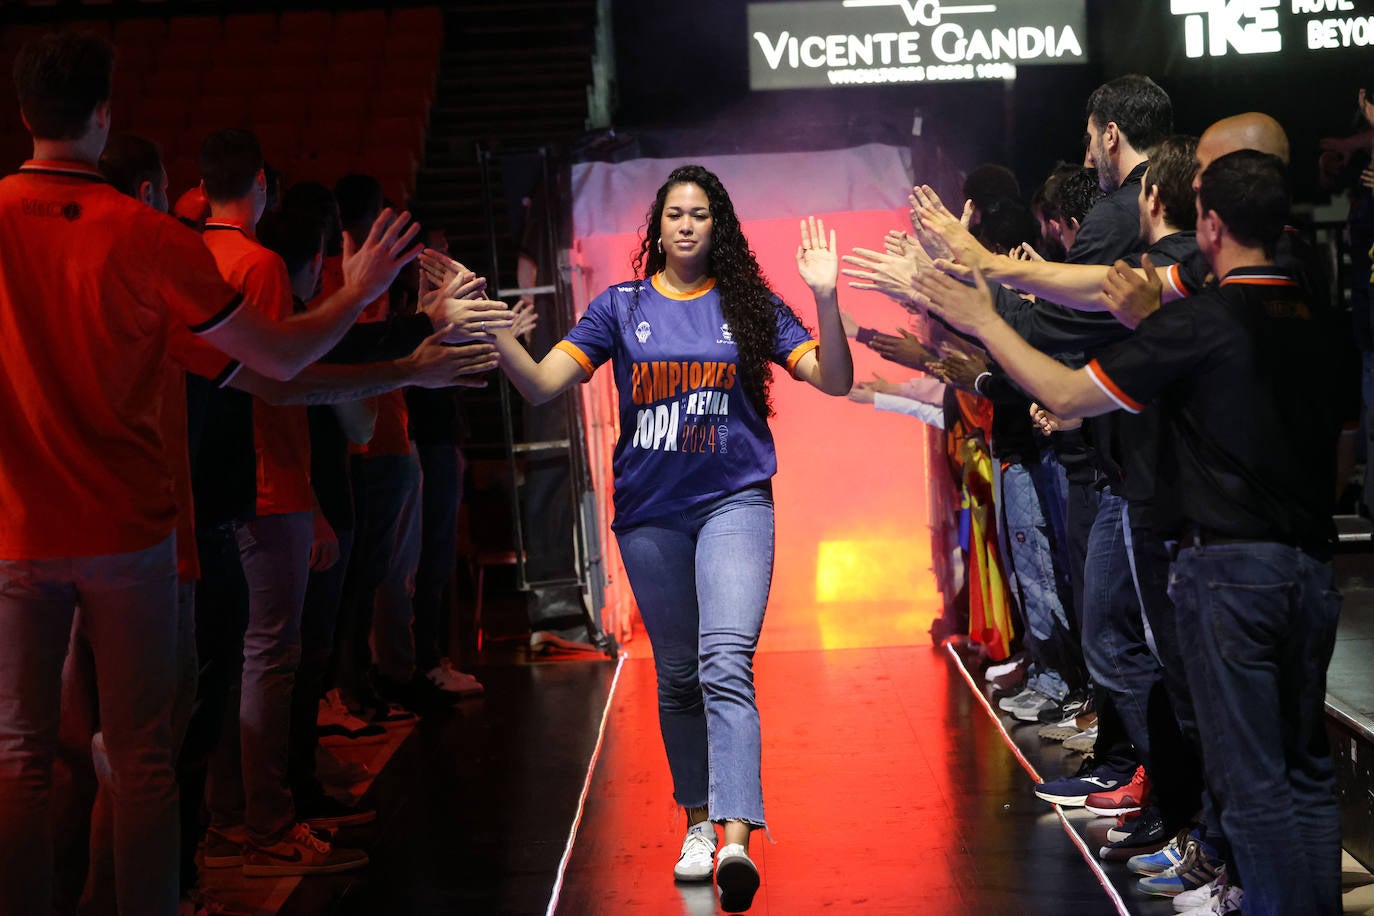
(697, 293)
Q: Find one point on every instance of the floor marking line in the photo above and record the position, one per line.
(1083, 849)
(586, 789)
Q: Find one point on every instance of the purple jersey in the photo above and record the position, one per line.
(688, 431)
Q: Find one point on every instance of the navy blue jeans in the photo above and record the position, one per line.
(1257, 623)
(701, 580)
(441, 469)
(1114, 646)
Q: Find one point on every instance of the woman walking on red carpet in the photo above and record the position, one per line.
(690, 343)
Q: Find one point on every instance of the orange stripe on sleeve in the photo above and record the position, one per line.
(1112, 390)
(795, 356)
(576, 353)
(1175, 277)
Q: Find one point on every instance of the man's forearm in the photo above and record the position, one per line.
(1074, 285)
(325, 384)
(1061, 390)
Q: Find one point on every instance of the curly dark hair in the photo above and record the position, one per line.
(749, 305)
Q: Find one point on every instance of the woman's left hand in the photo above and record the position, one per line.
(817, 262)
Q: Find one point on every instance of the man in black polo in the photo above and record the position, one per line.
(1244, 383)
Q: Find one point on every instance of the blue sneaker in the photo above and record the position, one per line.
(1157, 862)
(1073, 791)
(1198, 867)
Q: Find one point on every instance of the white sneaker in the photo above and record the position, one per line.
(450, 680)
(1006, 667)
(737, 878)
(1225, 899)
(337, 727)
(1082, 742)
(1198, 896)
(698, 853)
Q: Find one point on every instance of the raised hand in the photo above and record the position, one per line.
(960, 369)
(905, 350)
(433, 364)
(881, 272)
(524, 319)
(467, 318)
(371, 267)
(1025, 252)
(1131, 296)
(816, 259)
(438, 268)
(946, 231)
(967, 308)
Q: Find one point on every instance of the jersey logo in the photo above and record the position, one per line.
(725, 336)
(643, 331)
(69, 210)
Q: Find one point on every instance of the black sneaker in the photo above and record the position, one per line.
(325, 811)
(1148, 835)
(1073, 704)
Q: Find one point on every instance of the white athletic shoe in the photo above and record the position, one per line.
(450, 680)
(1220, 899)
(736, 878)
(698, 853)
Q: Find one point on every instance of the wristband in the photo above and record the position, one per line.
(864, 335)
(978, 382)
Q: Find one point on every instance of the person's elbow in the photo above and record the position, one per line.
(839, 386)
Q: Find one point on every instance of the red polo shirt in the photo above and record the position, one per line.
(90, 283)
(281, 435)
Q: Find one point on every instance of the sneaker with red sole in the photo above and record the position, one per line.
(1123, 799)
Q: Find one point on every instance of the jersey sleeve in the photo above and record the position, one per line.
(198, 357)
(1166, 346)
(592, 341)
(793, 340)
(1189, 275)
(189, 283)
(267, 287)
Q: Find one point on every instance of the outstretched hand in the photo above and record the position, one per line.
(433, 364)
(949, 232)
(371, 267)
(881, 272)
(967, 308)
(960, 369)
(905, 350)
(817, 262)
(1131, 296)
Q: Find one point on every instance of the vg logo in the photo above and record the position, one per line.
(1212, 27)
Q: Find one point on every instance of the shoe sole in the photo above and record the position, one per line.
(346, 820)
(702, 878)
(738, 881)
(1058, 734)
(1103, 811)
(233, 861)
(345, 741)
(1064, 801)
(286, 870)
(1126, 853)
(1028, 714)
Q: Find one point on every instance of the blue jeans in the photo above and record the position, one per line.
(701, 580)
(380, 582)
(321, 613)
(1257, 623)
(441, 492)
(84, 826)
(1175, 764)
(248, 777)
(129, 619)
(1037, 580)
(1114, 645)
